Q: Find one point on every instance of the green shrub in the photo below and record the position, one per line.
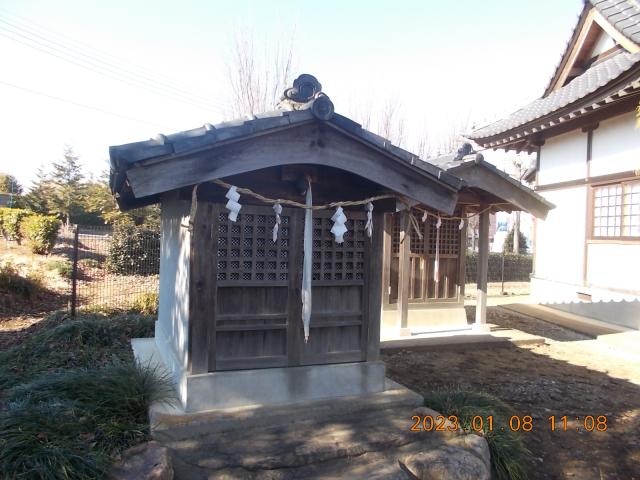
(61, 267)
(146, 303)
(509, 455)
(41, 232)
(13, 283)
(134, 250)
(11, 222)
(517, 268)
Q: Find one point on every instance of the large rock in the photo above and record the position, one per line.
(446, 463)
(147, 461)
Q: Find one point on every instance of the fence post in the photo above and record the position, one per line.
(74, 274)
(502, 274)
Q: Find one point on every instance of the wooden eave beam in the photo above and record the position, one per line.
(309, 144)
(494, 185)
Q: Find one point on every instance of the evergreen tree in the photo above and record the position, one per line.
(67, 187)
(40, 193)
(10, 184)
(508, 243)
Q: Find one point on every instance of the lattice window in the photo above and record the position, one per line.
(333, 261)
(449, 236)
(616, 210)
(246, 251)
(417, 243)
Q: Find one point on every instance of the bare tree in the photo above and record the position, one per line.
(258, 77)
(520, 167)
(390, 123)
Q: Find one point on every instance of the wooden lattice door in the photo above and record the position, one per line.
(340, 272)
(257, 319)
(422, 284)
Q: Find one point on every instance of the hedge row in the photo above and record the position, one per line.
(134, 250)
(40, 231)
(517, 267)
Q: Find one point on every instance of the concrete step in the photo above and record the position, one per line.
(577, 323)
(627, 342)
(349, 437)
(366, 445)
(462, 340)
(169, 421)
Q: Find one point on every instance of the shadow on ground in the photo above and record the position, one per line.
(538, 385)
(511, 320)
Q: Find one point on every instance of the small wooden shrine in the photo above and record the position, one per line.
(235, 292)
(424, 259)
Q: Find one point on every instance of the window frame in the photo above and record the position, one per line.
(591, 211)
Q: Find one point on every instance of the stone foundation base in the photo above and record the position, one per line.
(267, 386)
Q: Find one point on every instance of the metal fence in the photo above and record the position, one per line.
(117, 269)
(110, 269)
(508, 274)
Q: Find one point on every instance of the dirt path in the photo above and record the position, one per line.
(571, 375)
(19, 316)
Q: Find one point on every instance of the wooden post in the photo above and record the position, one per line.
(387, 254)
(483, 268)
(404, 275)
(203, 271)
(462, 257)
(374, 276)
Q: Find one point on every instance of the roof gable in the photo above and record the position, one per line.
(619, 20)
(309, 132)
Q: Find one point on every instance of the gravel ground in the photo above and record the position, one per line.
(570, 375)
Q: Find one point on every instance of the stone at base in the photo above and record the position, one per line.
(147, 461)
(404, 332)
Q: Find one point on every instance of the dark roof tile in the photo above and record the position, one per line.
(594, 78)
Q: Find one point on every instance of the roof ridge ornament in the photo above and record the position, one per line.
(306, 94)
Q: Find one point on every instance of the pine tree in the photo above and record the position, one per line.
(67, 186)
(40, 193)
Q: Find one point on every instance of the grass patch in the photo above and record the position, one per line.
(17, 285)
(90, 263)
(509, 456)
(146, 303)
(90, 341)
(73, 397)
(69, 424)
(61, 267)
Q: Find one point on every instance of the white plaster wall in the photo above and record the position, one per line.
(172, 327)
(616, 146)
(563, 158)
(560, 238)
(614, 265)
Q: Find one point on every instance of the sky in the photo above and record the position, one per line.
(445, 64)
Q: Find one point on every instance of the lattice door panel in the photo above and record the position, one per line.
(449, 237)
(421, 282)
(337, 262)
(245, 248)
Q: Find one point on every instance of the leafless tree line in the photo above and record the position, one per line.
(258, 72)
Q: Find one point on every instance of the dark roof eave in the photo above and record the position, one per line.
(529, 200)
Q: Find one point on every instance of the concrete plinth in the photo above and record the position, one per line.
(422, 318)
(481, 327)
(268, 386)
